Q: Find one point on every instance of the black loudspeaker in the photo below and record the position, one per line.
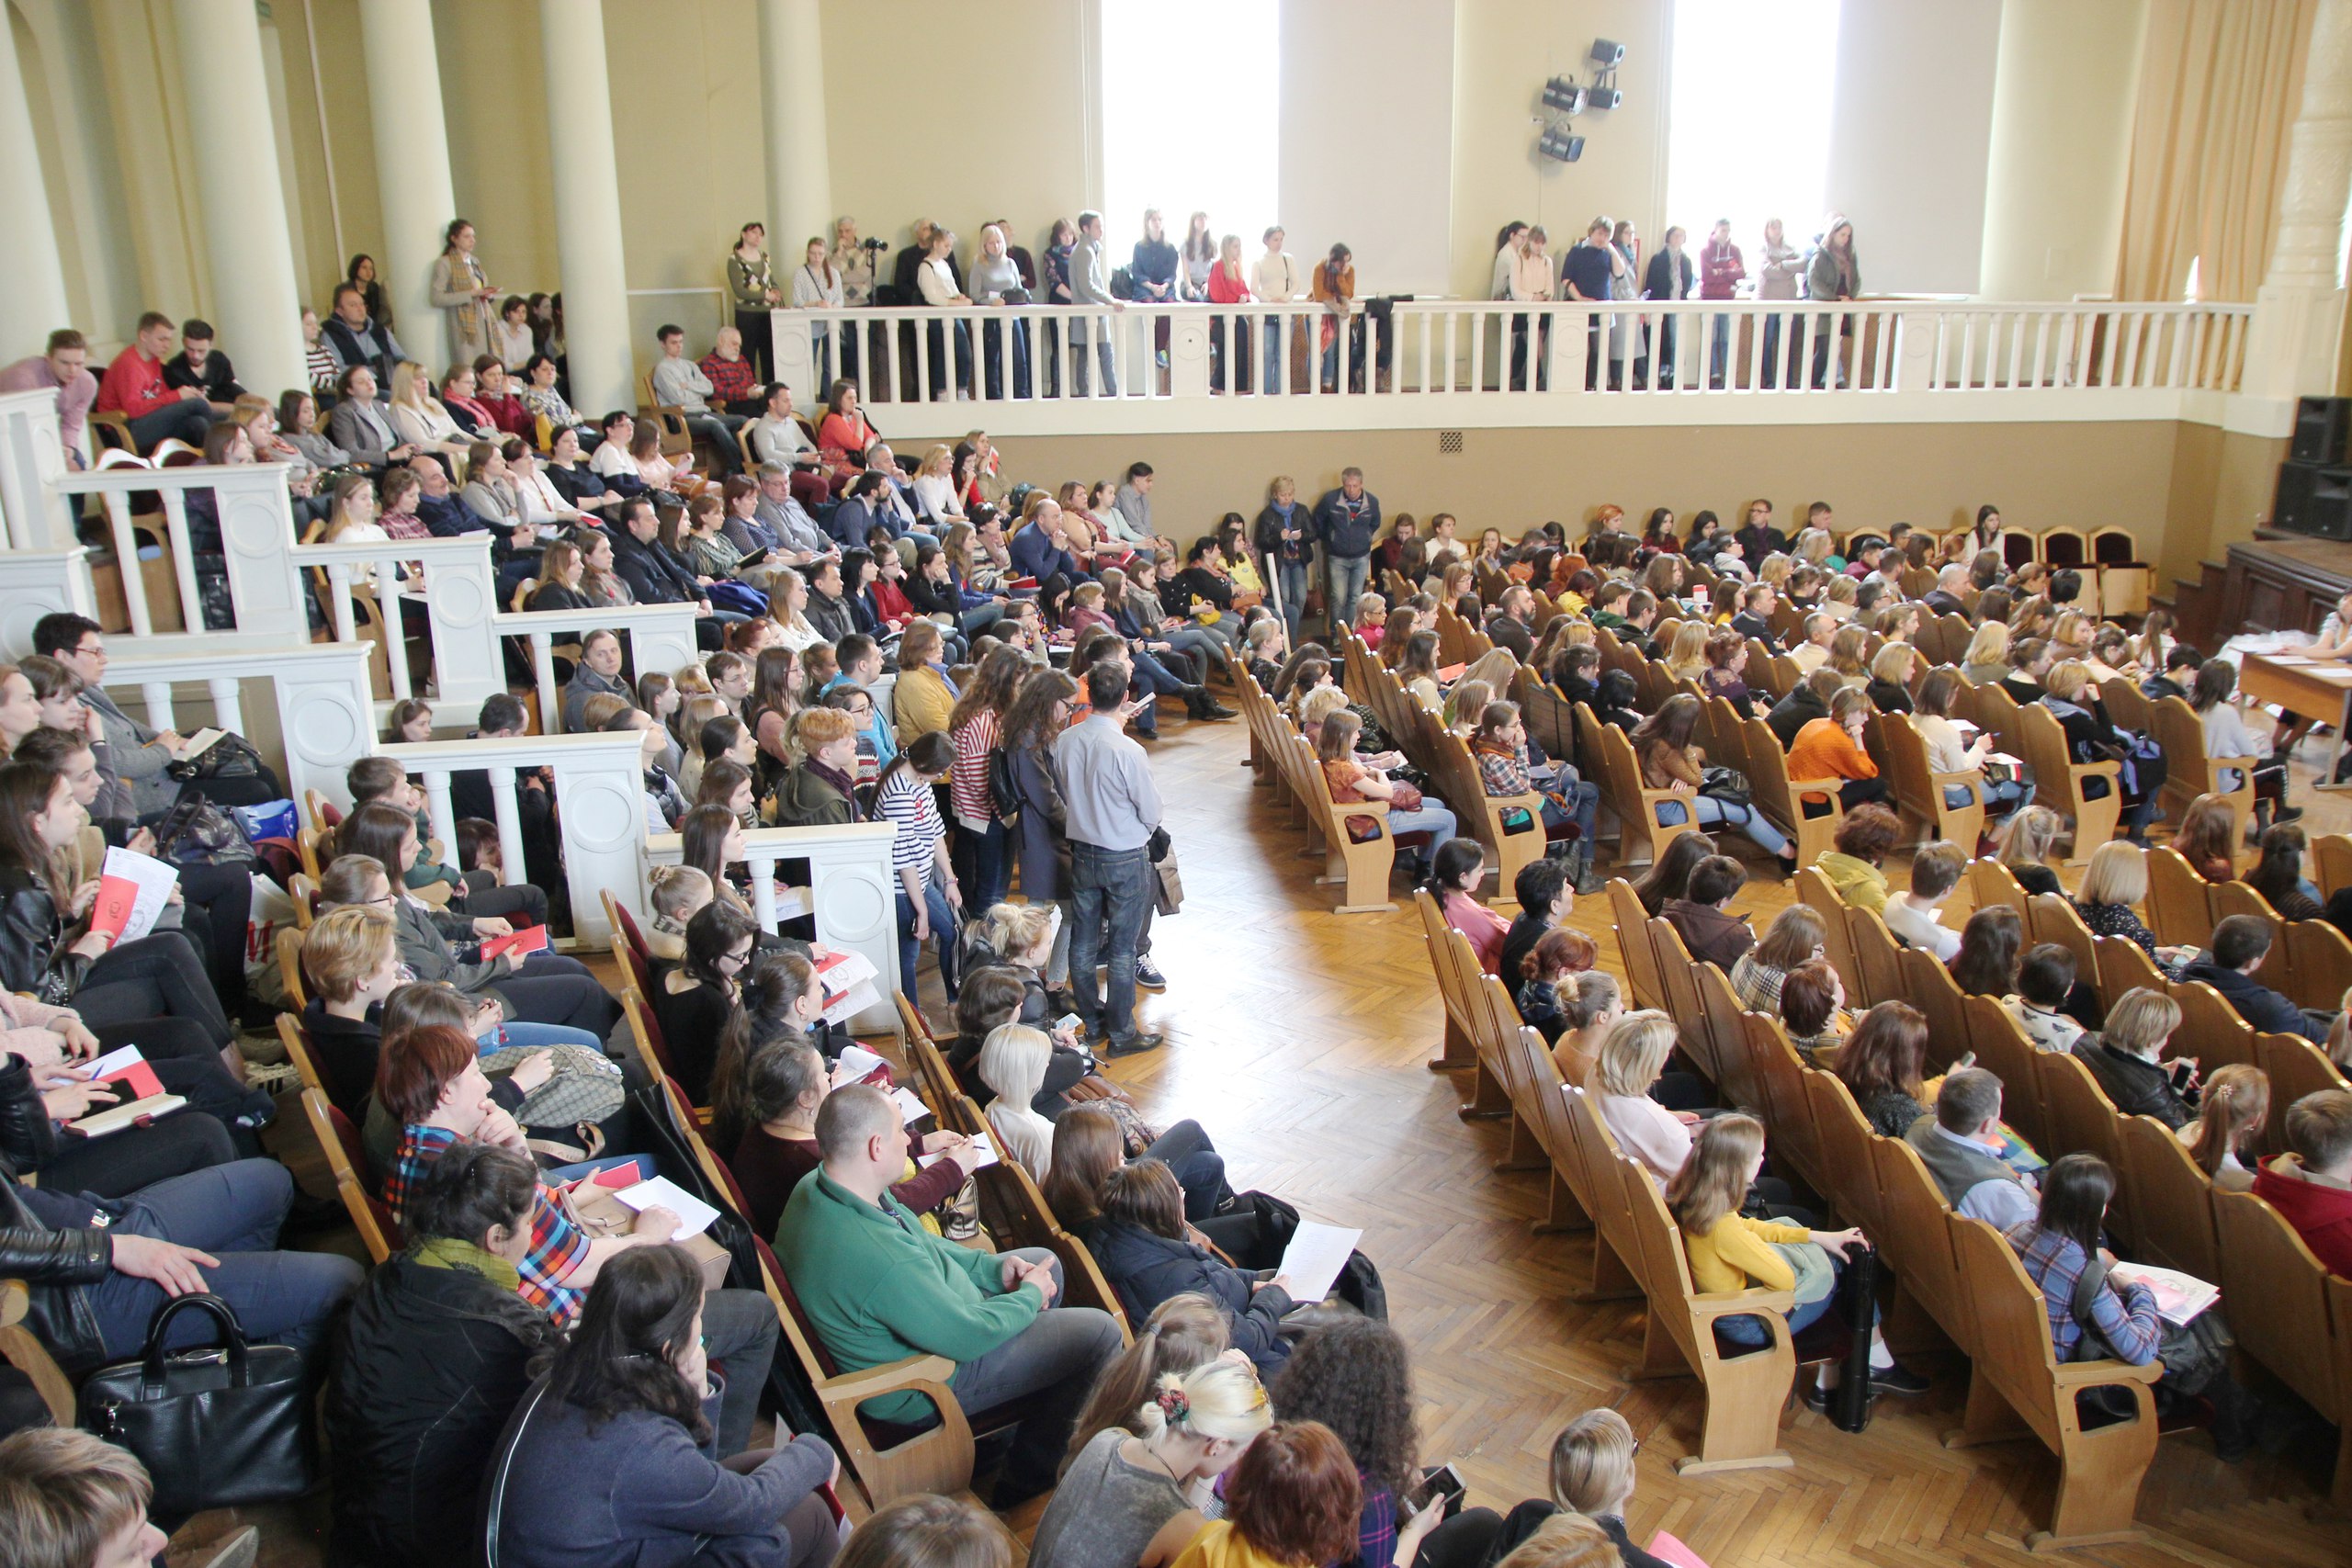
(2321, 426)
(2313, 499)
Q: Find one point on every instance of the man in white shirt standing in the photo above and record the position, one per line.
(679, 383)
(1274, 279)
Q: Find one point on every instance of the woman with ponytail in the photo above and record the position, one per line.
(1455, 872)
(2224, 1138)
(1132, 1495)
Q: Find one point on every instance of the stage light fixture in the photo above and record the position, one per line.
(1606, 53)
(1562, 96)
(1604, 98)
(1561, 146)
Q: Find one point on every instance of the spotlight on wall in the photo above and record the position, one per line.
(1607, 53)
(1606, 57)
(1562, 96)
(1560, 145)
(1605, 98)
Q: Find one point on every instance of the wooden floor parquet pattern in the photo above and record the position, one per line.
(1299, 1038)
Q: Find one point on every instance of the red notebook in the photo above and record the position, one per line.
(518, 946)
(128, 1071)
(111, 911)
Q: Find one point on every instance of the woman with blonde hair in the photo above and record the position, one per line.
(420, 419)
(352, 518)
(2127, 1059)
(2116, 880)
(1814, 547)
(1631, 1061)
(1987, 656)
(1687, 659)
(1794, 937)
(934, 486)
(1591, 1479)
(2024, 843)
(1889, 687)
(2224, 1139)
(1013, 1062)
(1127, 1495)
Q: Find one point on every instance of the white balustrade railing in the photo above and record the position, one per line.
(460, 596)
(326, 715)
(851, 890)
(34, 584)
(661, 637)
(1703, 357)
(600, 791)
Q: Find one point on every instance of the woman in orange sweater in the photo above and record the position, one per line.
(1832, 749)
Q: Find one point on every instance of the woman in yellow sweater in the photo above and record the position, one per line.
(1730, 1252)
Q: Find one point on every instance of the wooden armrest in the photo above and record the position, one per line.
(1817, 786)
(914, 1374)
(1531, 801)
(16, 1300)
(1968, 776)
(2243, 764)
(2099, 1374)
(2097, 769)
(1743, 1303)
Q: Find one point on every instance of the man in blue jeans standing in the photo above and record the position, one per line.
(1111, 808)
(1346, 520)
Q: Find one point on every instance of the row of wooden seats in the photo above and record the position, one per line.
(2285, 1309)
(1281, 759)
(1637, 1250)
(1444, 758)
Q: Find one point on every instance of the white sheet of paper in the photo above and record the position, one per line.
(910, 1105)
(791, 903)
(694, 1214)
(1314, 1258)
(980, 1141)
(851, 1002)
(861, 1061)
(155, 881)
(112, 1062)
(201, 742)
(2179, 1297)
(843, 969)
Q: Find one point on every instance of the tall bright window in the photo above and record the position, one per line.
(1749, 138)
(1190, 118)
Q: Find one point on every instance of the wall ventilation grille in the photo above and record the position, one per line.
(1449, 443)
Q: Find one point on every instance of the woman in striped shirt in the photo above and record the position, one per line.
(928, 898)
(974, 726)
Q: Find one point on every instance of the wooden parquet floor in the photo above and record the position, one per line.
(1299, 1038)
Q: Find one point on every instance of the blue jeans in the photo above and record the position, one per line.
(533, 1035)
(1292, 575)
(231, 1211)
(1267, 372)
(942, 931)
(1432, 818)
(1750, 1331)
(1104, 348)
(1199, 1169)
(989, 878)
(1113, 888)
(1344, 579)
(1746, 818)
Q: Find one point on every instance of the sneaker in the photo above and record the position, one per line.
(1132, 1044)
(1147, 976)
(2287, 814)
(1895, 1379)
(272, 1077)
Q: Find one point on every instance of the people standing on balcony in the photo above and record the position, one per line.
(1625, 284)
(1508, 250)
(1228, 285)
(1335, 287)
(1529, 277)
(1273, 278)
(997, 281)
(1721, 269)
(1585, 274)
(65, 366)
(1196, 256)
(751, 286)
(1089, 284)
(1151, 270)
(1669, 277)
(1832, 273)
(462, 292)
(1777, 277)
(1346, 521)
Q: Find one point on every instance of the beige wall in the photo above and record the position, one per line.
(2086, 476)
(2063, 101)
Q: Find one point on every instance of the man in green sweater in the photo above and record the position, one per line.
(879, 1288)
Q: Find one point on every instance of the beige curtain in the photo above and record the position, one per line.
(2221, 82)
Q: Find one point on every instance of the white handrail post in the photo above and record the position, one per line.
(182, 558)
(388, 613)
(509, 812)
(228, 706)
(125, 557)
(32, 454)
(158, 694)
(543, 668)
(346, 627)
(761, 863)
(443, 815)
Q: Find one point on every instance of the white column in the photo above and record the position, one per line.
(587, 207)
(255, 300)
(792, 111)
(2298, 311)
(412, 164)
(32, 280)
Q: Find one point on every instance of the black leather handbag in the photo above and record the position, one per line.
(215, 1424)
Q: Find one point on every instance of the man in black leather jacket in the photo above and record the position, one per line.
(99, 1268)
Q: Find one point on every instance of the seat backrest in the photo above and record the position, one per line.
(289, 967)
(1928, 986)
(2052, 918)
(2297, 1068)
(1724, 1040)
(2078, 1119)
(1649, 982)
(2130, 708)
(1874, 951)
(1769, 1064)
(2010, 1323)
(625, 924)
(339, 1142)
(1915, 1237)
(2278, 1296)
(1676, 965)
(2319, 963)
(642, 1028)
(1844, 1137)
(2206, 1018)
(2331, 861)
(297, 1041)
(1994, 883)
(2053, 762)
(2173, 1200)
(2123, 965)
(2180, 902)
(1767, 773)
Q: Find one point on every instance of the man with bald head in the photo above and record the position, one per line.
(878, 1287)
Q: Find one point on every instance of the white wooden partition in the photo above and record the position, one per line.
(600, 784)
(256, 538)
(325, 713)
(460, 596)
(661, 637)
(32, 458)
(851, 887)
(34, 584)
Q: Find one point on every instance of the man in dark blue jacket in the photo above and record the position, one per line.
(656, 577)
(2240, 944)
(1346, 520)
(1042, 550)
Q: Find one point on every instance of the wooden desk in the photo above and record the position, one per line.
(2312, 688)
(2283, 584)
